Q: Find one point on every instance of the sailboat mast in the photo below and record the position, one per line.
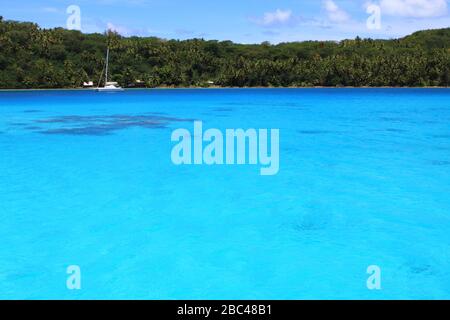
(112, 86)
(107, 65)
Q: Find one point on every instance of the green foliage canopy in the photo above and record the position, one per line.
(32, 57)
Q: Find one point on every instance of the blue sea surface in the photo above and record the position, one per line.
(87, 179)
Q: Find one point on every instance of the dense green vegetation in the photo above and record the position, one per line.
(31, 57)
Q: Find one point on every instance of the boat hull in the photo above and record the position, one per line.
(109, 89)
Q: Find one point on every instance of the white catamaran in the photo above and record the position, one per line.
(109, 86)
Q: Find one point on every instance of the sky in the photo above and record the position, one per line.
(243, 21)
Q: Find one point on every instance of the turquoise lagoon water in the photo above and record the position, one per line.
(86, 179)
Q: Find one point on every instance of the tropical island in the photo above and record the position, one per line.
(36, 58)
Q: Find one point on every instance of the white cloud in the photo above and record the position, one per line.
(126, 31)
(278, 17)
(116, 28)
(335, 14)
(414, 8)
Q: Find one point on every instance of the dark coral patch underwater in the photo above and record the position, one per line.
(223, 109)
(440, 163)
(99, 125)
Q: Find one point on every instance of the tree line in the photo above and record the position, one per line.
(33, 57)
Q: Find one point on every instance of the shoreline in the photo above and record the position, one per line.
(217, 88)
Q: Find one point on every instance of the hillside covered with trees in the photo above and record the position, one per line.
(31, 57)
